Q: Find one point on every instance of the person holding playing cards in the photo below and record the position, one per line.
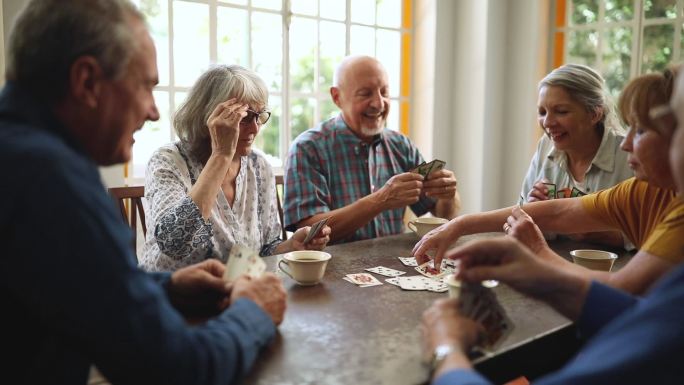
(355, 171)
(211, 190)
(580, 153)
(646, 208)
(80, 80)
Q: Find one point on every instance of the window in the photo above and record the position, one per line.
(294, 45)
(619, 38)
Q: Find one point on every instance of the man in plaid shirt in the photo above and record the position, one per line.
(355, 171)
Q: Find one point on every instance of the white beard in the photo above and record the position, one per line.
(368, 131)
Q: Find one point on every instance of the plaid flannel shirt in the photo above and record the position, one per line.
(328, 167)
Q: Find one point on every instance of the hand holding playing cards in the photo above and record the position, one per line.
(443, 324)
(224, 126)
(400, 191)
(318, 241)
(266, 291)
(199, 290)
(441, 185)
(539, 191)
(509, 261)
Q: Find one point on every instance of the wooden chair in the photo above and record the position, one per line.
(129, 200)
(280, 193)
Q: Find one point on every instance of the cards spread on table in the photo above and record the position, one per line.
(386, 271)
(242, 260)
(315, 229)
(480, 304)
(362, 279)
(408, 261)
(425, 169)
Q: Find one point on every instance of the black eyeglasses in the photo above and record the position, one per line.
(261, 117)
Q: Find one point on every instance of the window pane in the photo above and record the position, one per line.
(267, 47)
(393, 117)
(660, 8)
(268, 139)
(232, 42)
(157, 16)
(191, 41)
(617, 58)
(362, 40)
(328, 109)
(152, 136)
(331, 51)
(302, 115)
(305, 7)
(268, 4)
(583, 11)
(619, 10)
(657, 47)
(389, 54)
(238, 2)
(303, 43)
(363, 11)
(389, 13)
(334, 9)
(583, 47)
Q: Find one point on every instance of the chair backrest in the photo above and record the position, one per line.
(129, 200)
(280, 192)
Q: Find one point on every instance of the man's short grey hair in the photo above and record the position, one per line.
(588, 88)
(215, 86)
(49, 35)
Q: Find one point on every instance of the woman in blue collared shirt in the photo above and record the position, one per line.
(580, 153)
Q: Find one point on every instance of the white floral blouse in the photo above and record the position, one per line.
(177, 234)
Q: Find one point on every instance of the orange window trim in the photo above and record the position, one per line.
(559, 37)
(405, 87)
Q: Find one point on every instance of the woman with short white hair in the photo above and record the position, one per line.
(210, 190)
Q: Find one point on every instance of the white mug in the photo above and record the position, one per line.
(594, 259)
(422, 226)
(306, 267)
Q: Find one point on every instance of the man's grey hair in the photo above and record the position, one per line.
(215, 86)
(49, 35)
(586, 87)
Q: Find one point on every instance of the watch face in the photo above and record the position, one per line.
(443, 350)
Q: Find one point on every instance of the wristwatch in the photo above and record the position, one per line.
(440, 354)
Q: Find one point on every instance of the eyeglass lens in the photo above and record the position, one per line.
(261, 117)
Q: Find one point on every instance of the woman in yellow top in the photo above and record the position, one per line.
(644, 208)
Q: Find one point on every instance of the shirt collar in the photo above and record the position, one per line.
(345, 132)
(604, 158)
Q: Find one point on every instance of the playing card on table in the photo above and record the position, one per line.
(386, 271)
(315, 229)
(427, 269)
(408, 261)
(415, 282)
(242, 260)
(363, 279)
(393, 281)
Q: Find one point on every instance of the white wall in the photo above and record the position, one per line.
(488, 57)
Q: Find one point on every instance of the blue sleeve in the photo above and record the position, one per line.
(603, 304)
(82, 276)
(460, 377)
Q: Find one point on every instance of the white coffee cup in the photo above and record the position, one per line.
(454, 285)
(306, 267)
(422, 226)
(594, 259)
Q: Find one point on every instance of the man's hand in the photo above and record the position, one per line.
(400, 191)
(199, 290)
(441, 185)
(317, 243)
(266, 291)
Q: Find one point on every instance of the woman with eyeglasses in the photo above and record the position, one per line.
(580, 151)
(645, 208)
(211, 190)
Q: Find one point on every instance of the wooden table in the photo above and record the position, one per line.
(338, 333)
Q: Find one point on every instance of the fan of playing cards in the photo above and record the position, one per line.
(242, 260)
(425, 169)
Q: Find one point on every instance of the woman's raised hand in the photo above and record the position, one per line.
(224, 126)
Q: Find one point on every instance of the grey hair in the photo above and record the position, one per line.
(586, 87)
(215, 86)
(49, 35)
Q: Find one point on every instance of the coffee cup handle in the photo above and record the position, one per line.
(283, 269)
(412, 226)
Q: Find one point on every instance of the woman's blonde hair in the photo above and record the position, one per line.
(215, 86)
